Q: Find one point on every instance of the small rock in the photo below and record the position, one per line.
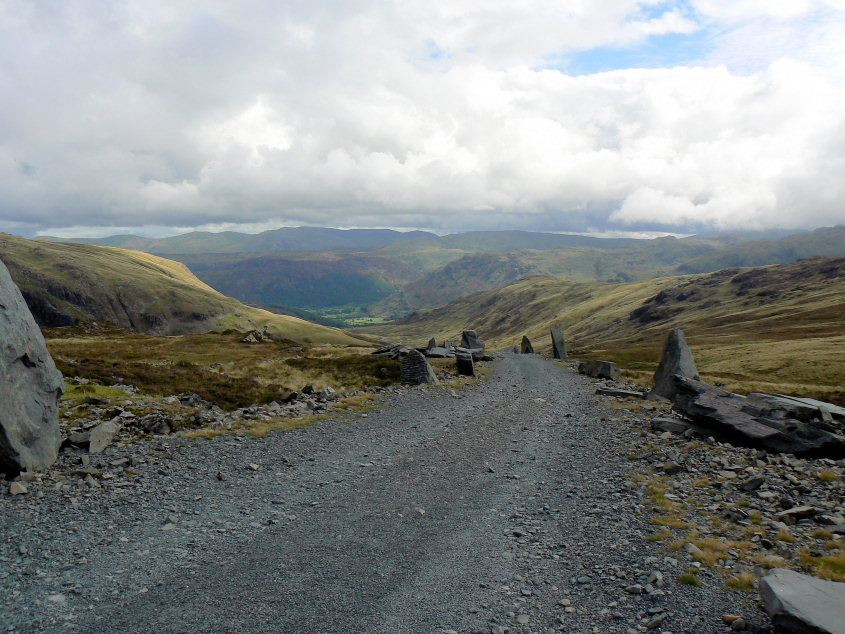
(18, 488)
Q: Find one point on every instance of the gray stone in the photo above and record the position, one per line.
(525, 347)
(558, 342)
(600, 369)
(676, 359)
(30, 387)
(672, 425)
(464, 363)
(102, 435)
(610, 391)
(729, 416)
(415, 370)
(802, 604)
(470, 340)
(438, 353)
(18, 488)
(432, 343)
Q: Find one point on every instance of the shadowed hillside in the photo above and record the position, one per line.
(65, 284)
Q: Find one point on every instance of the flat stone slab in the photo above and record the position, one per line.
(609, 391)
(802, 604)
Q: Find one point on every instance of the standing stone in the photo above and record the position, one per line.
(526, 347)
(558, 342)
(416, 370)
(470, 341)
(432, 343)
(676, 359)
(464, 363)
(30, 387)
(803, 604)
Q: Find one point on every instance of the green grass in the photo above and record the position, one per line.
(775, 328)
(220, 368)
(689, 579)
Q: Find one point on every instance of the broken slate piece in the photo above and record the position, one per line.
(803, 604)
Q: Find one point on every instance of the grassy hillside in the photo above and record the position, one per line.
(825, 242)
(301, 279)
(290, 238)
(64, 284)
(776, 328)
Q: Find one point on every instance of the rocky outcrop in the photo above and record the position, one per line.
(415, 370)
(558, 342)
(465, 365)
(676, 359)
(600, 369)
(746, 422)
(470, 340)
(525, 347)
(803, 604)
(30, 387)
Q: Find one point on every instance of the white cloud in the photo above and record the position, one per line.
(418, 114)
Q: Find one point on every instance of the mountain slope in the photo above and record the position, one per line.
(777, 328)
(286, 238)
(301, 280)
(824, 242)
(64, 284)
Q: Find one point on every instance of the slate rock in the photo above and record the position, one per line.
(672, 425)
(464, 363)
(438, 353)
(730, 416)
(102, 436)
(415, 370)
(558, 342)
(30, 387)
(470, 340)
(432, 343)
(600, 369)
(525, 347)
(676, 359)
(802, 604)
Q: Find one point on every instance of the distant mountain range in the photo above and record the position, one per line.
(383, 274)
(284, 239)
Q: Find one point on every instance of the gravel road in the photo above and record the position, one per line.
(503, 507)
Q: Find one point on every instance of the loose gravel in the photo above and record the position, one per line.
(505, 507)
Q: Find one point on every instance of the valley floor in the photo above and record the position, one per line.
(507, 506)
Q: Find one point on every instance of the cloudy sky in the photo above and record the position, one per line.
(158, 117)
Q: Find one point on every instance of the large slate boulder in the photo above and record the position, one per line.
(470, 341)
(600, 370)
(30, 387)
(802, 604)
(432, 343)
(415, 370)
(744, 422)
(558, 342)
(525, 347)
(676, 359)
(464, 363)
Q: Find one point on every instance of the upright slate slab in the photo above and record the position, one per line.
(464, 363)
(30, 387)
(470, 340)
(676, 359)
(415, 370)
(558, 342)
(803, 604)
(525, 347)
